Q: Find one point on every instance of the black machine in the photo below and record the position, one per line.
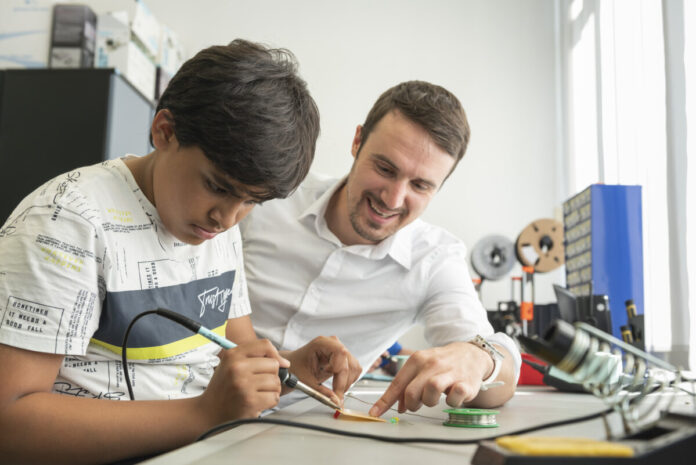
(593, 309)
(645, 384)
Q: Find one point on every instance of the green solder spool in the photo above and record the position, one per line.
(471, 418)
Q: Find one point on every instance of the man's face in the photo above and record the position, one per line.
(396, 174)
(195, 200)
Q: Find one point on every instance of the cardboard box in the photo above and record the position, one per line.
(25, 33)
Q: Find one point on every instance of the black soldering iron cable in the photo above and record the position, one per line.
(235, 423)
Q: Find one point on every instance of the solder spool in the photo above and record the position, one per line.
(493, 257)
(540, 244)
(471, 418)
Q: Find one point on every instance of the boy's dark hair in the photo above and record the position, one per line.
(246, 108)
(432, 107)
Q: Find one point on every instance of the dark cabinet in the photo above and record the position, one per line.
(54, 120)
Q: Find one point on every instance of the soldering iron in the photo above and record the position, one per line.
(285, 376)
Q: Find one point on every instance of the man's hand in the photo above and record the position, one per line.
(456, 369)
(321, 358)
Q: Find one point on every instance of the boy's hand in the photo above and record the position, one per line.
(321, 358)
(245, 383)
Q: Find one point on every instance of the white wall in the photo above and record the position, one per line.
(497, 56)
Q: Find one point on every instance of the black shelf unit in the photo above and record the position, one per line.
(54, 120)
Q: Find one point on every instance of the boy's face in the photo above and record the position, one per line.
(195, 200)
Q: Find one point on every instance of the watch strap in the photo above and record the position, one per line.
(497, 358)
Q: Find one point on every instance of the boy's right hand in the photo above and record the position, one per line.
(245, 383)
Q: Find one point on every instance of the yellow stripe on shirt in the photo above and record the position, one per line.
(163, 351)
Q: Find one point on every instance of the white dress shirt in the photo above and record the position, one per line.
(303, 282)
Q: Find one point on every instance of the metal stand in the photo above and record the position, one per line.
(671, 440)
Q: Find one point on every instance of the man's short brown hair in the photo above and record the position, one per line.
(432, 107)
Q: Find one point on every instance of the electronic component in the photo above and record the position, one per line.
(581, 351)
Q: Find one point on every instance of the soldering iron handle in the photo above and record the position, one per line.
(287, 378)
(181, 319)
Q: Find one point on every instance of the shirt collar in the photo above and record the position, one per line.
(397, 246)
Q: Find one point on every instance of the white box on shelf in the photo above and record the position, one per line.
(171, 55)
(147, 29)
(25, 33)
(144, 28)
(117, 49)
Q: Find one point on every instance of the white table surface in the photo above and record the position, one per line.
(273, 444)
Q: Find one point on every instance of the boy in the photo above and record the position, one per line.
(86, 252)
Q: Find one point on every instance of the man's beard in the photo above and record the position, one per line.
(360, 231)
(367, 233)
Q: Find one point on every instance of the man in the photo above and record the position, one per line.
(350, 257)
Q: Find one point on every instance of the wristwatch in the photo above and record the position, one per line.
(497, 357)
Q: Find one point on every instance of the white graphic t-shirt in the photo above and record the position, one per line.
(84, 254)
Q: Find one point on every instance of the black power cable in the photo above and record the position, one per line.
(170, 315)
(235, 423)
(194, 326)
(124, 350)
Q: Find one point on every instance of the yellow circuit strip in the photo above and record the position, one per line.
(564, 446)
(348, 414)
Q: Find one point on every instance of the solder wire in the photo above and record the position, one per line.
(463, 417)
(471, 418)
